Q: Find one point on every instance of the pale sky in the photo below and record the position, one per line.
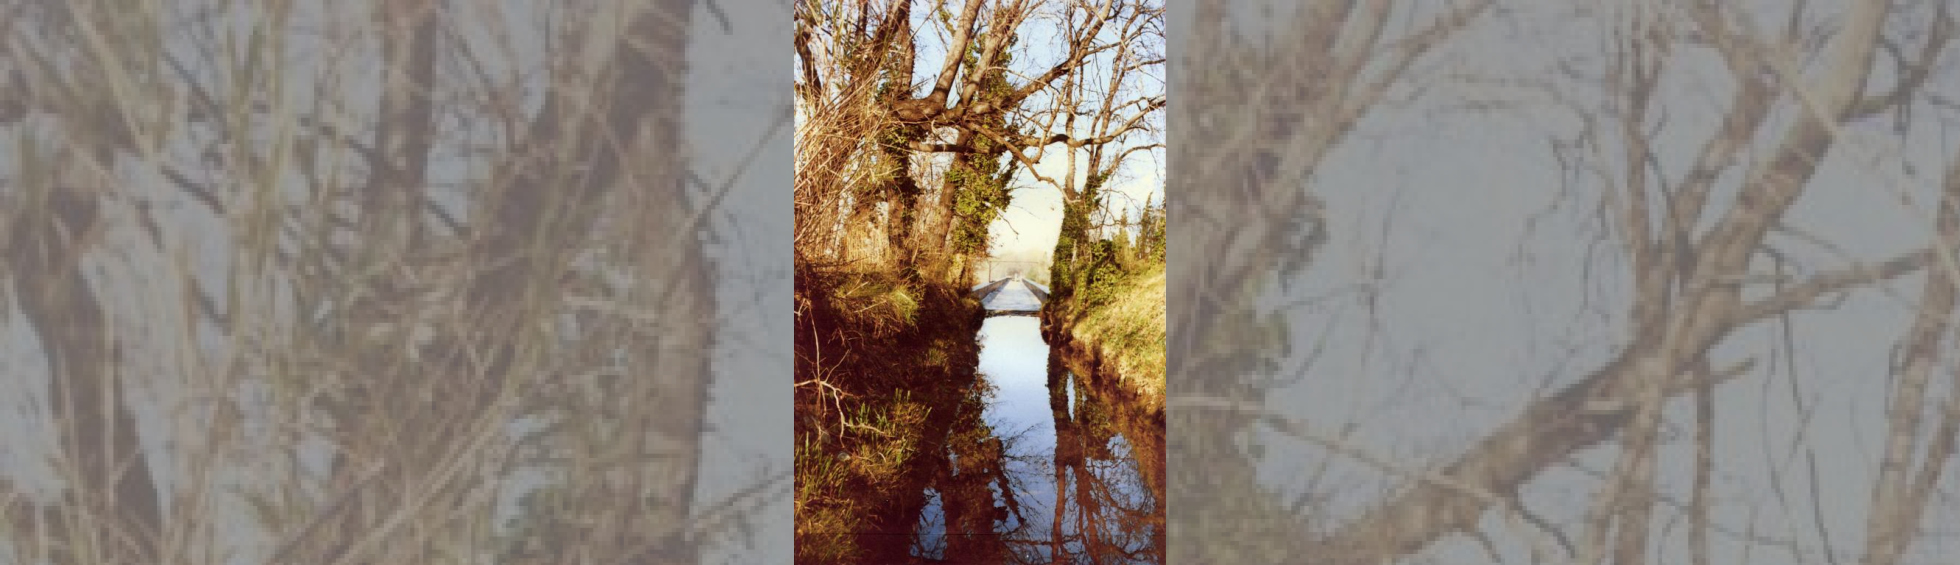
(1033, 220)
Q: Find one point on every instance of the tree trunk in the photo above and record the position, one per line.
(626, 162)
(95, 428)
(649, 99)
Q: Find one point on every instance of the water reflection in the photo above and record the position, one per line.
(1040, 466)
(1109, 460)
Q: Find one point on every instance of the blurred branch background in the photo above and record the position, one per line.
(386, 282)
(1643, 281)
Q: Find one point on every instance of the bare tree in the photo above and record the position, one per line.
(392, 269)
(1688, 294)
(1107, 117)
(866, 115)
(1260, 115)
(1695, 233)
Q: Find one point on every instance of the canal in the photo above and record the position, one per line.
(1045, 461)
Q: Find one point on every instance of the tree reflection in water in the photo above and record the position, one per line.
(1083, 487)
(1108, 462)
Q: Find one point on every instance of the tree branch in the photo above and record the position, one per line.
(1803, 294)
(1912, 76)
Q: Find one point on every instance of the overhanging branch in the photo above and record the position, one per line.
(1807, 292)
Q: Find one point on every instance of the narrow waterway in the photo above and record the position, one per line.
(1056, 468)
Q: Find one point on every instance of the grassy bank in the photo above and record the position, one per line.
(876, 358)
(1123, 326)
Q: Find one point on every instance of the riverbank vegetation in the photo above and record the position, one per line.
(1109, 300)
(877, 358)
(902, 167)
(1126, 332)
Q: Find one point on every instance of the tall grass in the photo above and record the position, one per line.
(1126, 332)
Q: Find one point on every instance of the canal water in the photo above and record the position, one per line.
(1056, 467)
